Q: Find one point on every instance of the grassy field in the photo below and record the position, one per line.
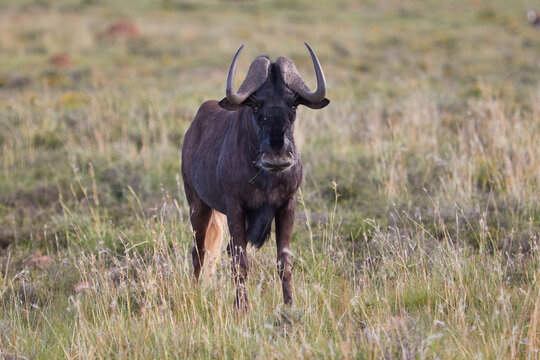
(418, 222)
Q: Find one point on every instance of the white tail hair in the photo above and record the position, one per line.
(213, 241)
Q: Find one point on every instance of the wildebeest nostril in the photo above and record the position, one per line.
(266, 147)
(277, 144)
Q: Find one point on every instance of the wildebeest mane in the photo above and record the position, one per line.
(259, 224)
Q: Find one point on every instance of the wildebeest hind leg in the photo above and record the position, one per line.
(200, 214)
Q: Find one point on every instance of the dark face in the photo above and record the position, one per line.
(273, 119)
(273, 107)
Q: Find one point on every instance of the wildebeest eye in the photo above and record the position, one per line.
(293, 108)
(255, 108)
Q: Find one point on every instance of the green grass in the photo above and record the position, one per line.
(418, 221)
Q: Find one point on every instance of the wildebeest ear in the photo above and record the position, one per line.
(227, 105)
(313, 105)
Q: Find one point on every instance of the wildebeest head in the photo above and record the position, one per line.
(273, 91)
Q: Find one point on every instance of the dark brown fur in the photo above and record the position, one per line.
(223, 172)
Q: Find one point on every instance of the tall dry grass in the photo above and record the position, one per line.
(417, 224)
(426, 283)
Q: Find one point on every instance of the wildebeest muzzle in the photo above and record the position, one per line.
(276, 154)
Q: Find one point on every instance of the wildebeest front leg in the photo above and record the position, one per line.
(237, 251)
(284, 225)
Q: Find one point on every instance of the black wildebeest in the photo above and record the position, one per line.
(239, 160)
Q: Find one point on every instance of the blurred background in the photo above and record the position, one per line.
(431, 138)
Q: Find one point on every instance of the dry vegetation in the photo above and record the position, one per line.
(417, 231)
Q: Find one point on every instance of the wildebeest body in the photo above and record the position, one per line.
(239, 160)
(226, 141)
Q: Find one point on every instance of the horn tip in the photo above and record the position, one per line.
(309, 49)
(240, 49)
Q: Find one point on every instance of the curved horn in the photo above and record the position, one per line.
(293, 79)
(256, 76)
